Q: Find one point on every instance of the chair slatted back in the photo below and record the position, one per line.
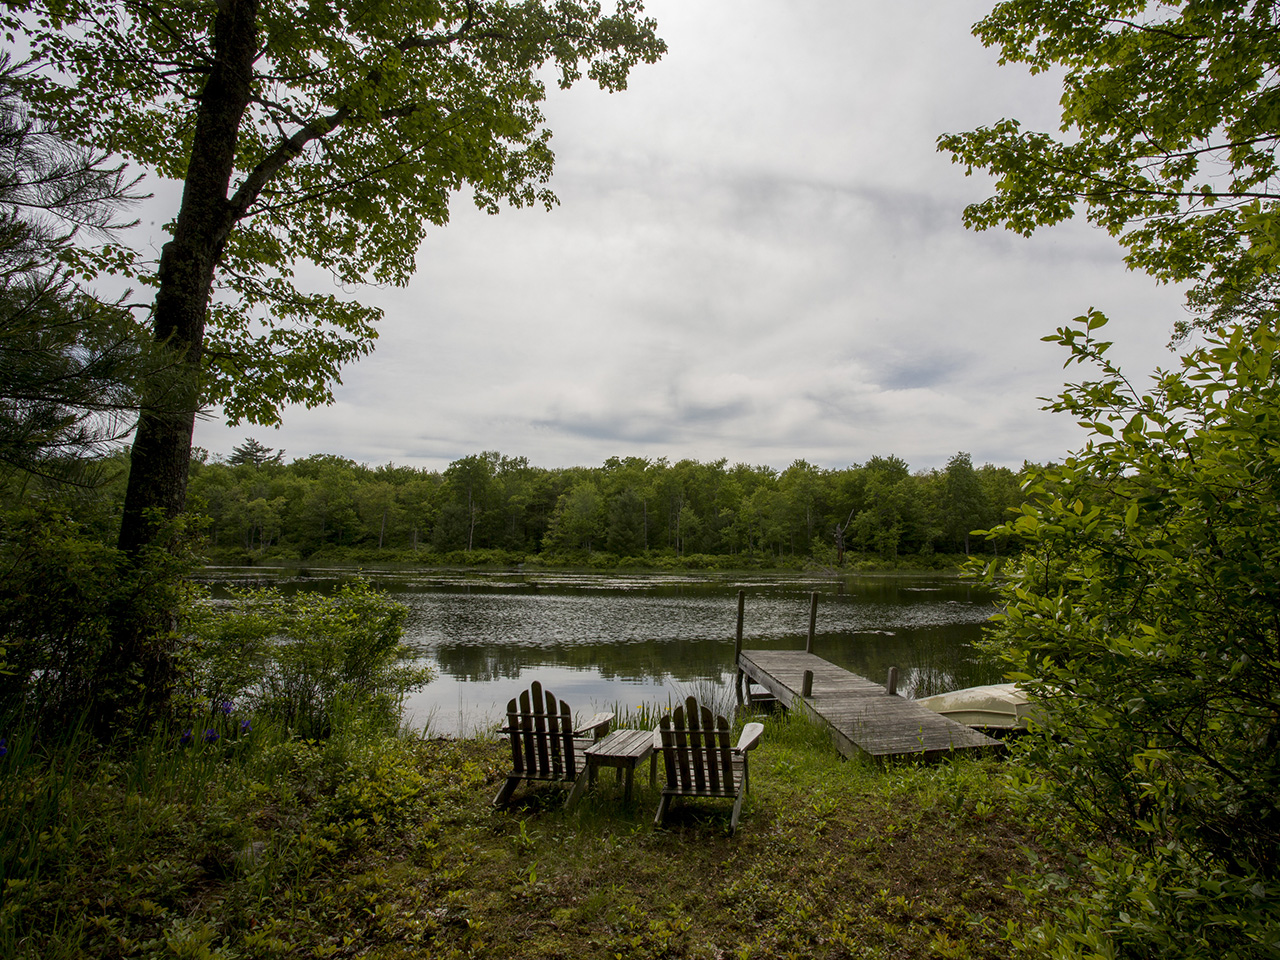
(541, 731)
(697, 752)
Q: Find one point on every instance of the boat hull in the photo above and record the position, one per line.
(996, 705)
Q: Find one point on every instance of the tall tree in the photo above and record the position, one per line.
(964, 506)
(882, 523)
(801, 485)
(70, 364)
(624, 534)
(328, 134)
(470, 481)
(254, 453)
(325, 134)
(578, 520)
(1169, 137)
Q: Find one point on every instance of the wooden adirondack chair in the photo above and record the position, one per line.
(544, 743)
(699, 760)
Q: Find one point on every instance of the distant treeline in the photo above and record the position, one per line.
(493, 507)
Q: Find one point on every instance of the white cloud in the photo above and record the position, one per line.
(759, 255)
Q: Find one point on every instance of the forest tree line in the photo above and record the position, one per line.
(259, 507)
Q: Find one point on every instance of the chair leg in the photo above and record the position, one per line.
(663, 805)
(507, 790)
(737, 809)
(578, 786)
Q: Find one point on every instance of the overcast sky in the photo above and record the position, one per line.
(758, 255)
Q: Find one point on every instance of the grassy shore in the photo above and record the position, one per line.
(255, 845)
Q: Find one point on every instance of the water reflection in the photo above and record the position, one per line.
(606, 640)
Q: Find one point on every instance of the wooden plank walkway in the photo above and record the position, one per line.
(862, 716)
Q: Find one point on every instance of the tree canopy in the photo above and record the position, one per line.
(1168, 137)
(339, 133)
(494, 508)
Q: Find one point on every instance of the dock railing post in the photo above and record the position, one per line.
(806, 685)
(737, 645)
(891, 685)
(813, 620)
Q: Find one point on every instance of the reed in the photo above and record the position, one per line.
(719, 698)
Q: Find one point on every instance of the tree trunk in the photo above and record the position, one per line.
(157, 490)
(471, 523)
(162, 446)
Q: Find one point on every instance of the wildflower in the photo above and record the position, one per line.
(186, 737)
(244, 726)
(4, 747)
(210, 735)
(227, 707)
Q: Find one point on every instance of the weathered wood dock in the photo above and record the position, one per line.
(864, 718)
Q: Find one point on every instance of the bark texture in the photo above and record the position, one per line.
(136, 677)
(157, 488)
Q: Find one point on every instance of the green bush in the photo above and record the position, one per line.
(307, 660)
(1143, 616)
(63, 597)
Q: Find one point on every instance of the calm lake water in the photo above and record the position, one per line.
(608, 641)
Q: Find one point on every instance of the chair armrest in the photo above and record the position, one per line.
(599, 724)
(657, 739)
(750, 737)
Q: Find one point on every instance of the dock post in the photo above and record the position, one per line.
(806, 686)
(891, 685)
(737, 646)
(813, 620)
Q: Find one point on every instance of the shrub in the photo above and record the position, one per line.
(1143, 615)
(306, 659)
(62, 597)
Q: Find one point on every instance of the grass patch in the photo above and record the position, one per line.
(369, 845)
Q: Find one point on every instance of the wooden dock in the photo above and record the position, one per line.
(864, 718)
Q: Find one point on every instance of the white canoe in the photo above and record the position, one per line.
(995, 705)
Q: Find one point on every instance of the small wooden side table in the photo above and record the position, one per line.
(624, 749)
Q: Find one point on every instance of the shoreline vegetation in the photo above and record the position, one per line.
(600, 561)
(378, 844)
(493, 509)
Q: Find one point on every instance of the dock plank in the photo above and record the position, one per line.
(864, 719)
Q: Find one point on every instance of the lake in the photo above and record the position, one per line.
(607, 641)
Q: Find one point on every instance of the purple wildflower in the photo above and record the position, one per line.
(227, 707)
(244, 726)
(186, 737)
(4, 747)
(210, 735)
